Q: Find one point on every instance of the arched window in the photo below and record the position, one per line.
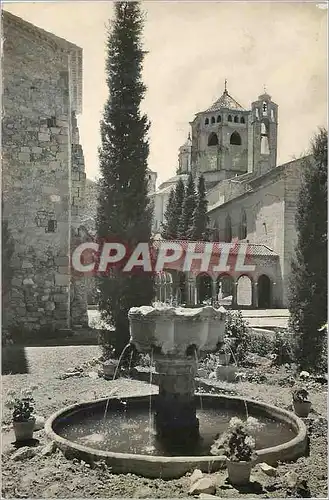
(243, 226)
(228, 229)
(219, 119)
(264, 143)
(272, 115)
(215, 235)
(229, 118)
(213, 139)
(242, 120)
(235, 139)
(236, 119)
(206, 122)
(213, 119)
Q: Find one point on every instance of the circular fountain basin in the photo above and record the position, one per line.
(126, 441)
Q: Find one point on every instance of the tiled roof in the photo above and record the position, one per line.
(253, 249)
(225, 101)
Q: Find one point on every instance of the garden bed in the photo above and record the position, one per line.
(49, 476)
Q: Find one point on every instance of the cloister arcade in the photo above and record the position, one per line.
(239, 291)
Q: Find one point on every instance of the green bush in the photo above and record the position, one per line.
(237, 332)
(284, 348)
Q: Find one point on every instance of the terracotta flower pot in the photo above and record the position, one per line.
(302, 408)
(109, 368)
(239, 472)
(224, 358)
(24, 430)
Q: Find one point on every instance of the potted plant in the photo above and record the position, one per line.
(23, 417)
(239, 447)
(301, 402)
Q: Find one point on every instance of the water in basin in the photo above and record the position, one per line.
(128, 431)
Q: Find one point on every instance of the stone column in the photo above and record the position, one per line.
(235, 295)
(255, 294)
(175, 417)
(214, 289)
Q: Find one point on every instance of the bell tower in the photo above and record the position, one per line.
(220, 140)
(184, 157)
(265, 134)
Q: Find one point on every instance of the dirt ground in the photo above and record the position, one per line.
(55, 476)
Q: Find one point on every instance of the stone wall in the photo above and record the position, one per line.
(38, 169)
(264, 208)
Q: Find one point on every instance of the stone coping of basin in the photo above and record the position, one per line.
(174, 467)
(182, 313)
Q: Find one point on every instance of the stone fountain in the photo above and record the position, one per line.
(170, 433)
(176, 338)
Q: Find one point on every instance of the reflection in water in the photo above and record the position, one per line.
(129, 432)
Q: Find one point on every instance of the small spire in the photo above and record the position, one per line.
(225, 86)
(189, 136)
(265, 89)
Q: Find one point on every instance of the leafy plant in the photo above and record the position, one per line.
(237, 444)
(300, 395)
(283, 348)
(237, 331)
(22, 406)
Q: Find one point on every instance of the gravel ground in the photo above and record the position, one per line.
(55, 476)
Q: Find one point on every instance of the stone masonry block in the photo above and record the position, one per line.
(63, 270)
(24, 156)
(62, 261)
(43, 137)
(62, 279)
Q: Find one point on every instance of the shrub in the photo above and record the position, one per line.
(237, 332)
(237, 442)
(283, 348)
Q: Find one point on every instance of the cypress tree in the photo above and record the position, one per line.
(189, 206)
(200, 230)
(308, 283)
(173, 212)
(124, 212)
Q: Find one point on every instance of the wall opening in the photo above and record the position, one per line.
(244, 291)
(264, 142)
(213, 139)
(229, 118)
(219, 119)
(213, 119)
(206, 122)
(242, 120)
(243, 226)
(264, 292)
(228, 229)
(236, 119)
(204, 287)
(215, 235)
(224, 289)
(235, 139)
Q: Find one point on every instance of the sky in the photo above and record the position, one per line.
(192, 48)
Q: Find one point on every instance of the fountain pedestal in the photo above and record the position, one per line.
(175, 417)
(174, 337)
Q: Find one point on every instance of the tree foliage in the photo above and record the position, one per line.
(173, 212)
(189, 206)
(308, 283)
(124, 212)
(200, 222)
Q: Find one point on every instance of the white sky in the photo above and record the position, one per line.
(193, 47)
